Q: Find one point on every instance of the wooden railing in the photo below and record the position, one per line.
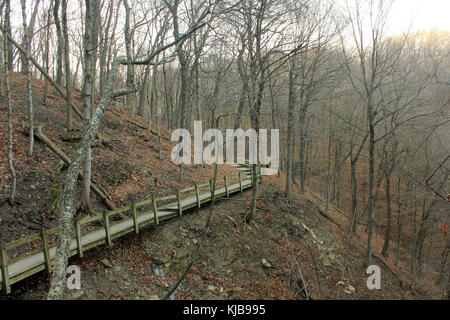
(143, 213)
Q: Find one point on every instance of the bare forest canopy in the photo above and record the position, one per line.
(364, 116)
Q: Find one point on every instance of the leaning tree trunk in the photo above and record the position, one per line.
(69, 195)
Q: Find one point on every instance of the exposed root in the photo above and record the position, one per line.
(86, 208)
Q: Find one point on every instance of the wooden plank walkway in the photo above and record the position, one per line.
(34, 262)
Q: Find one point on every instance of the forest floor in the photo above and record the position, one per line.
(289, 251)
(288, 246)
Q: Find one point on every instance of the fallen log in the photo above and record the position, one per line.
(323, 214)
(128, 119)
(94, 186)
(330, 204)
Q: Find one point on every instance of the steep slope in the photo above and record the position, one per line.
(288, 246)
(126, 162)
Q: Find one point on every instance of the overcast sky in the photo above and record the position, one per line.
(420, 14)
(425, 14)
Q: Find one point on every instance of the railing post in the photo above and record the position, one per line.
(135, 221)
(78, 236)
(48, 263)
(226, 186)
(197, 193)
(155, 209)
(180, 208)
(211, 188)
(108, 235)
(240, 180)
(4, 268)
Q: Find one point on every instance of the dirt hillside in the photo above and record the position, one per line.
(292, 250)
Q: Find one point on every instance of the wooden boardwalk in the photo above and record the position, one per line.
(13, 271)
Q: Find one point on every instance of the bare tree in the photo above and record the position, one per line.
(375, 62)
(12, 194)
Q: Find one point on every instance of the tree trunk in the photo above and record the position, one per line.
(153, 106)
(69, 199)
(104, 49)
(69, 117)
(88, 49)
(328, 170)
(338, 173)
(46, 55)
(244, 90)
(60, 45)
(26, 65)
(290, 133)
(354, 186)
(8, 46)
(302, 148)
(130, 69)
(444, 269)
(371, 187)
(387, 238)
(95, 29)
(143, 93)
(28, 35)
(399, 220)
(12, 194)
